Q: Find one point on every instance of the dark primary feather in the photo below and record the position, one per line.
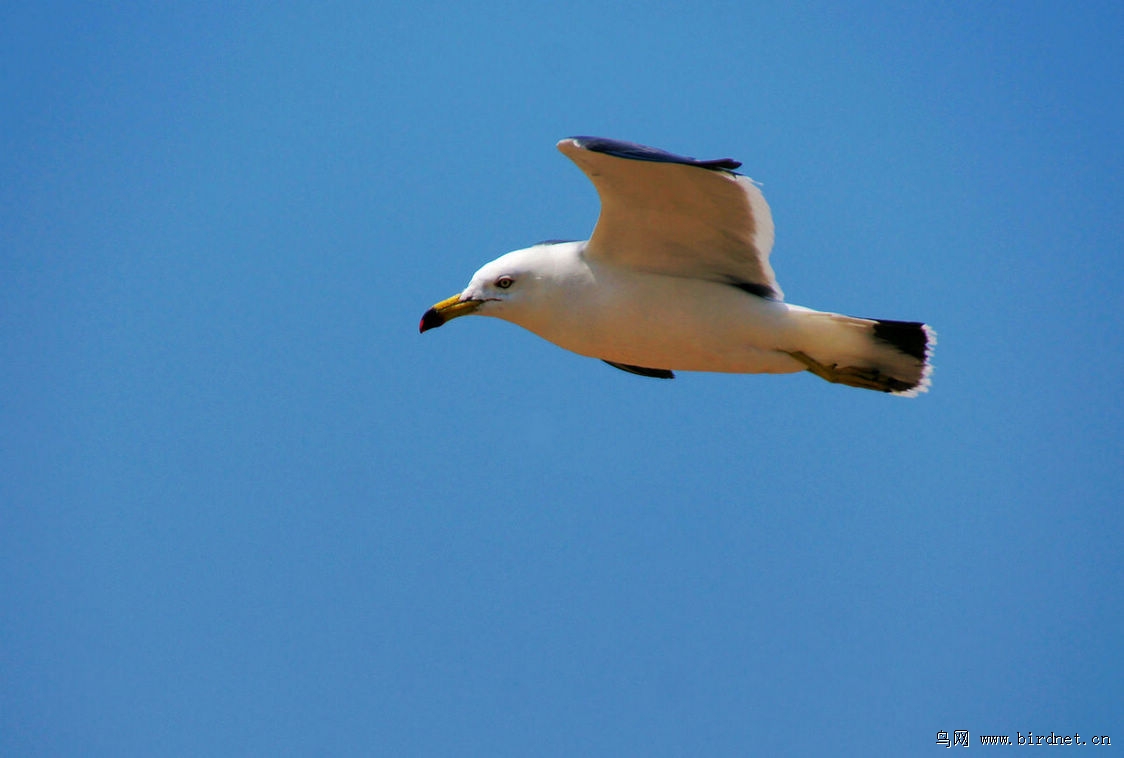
(655, 373)
(633, 151)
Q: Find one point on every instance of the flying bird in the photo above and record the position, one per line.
(676, 276)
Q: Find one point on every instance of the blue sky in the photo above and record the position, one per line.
(245, 509)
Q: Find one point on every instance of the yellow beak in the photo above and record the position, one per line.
(447, 310)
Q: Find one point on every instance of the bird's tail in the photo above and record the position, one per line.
(888, 356)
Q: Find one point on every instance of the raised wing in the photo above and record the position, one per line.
(675, 215)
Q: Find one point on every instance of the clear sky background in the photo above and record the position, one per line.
(245, 509)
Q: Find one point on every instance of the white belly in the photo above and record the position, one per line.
(658, 321)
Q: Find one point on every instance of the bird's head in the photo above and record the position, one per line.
(505, 288)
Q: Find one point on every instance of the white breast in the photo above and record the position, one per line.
(657, 321)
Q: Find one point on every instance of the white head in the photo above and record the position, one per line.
(511, 287)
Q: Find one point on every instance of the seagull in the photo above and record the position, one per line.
(676, 276)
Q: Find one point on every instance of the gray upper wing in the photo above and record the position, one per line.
(675, 215)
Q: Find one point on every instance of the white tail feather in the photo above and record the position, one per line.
(889, 356)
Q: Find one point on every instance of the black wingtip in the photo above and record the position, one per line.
(654, 373)
(637, 152)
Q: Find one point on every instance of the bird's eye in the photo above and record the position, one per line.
(504, 282)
